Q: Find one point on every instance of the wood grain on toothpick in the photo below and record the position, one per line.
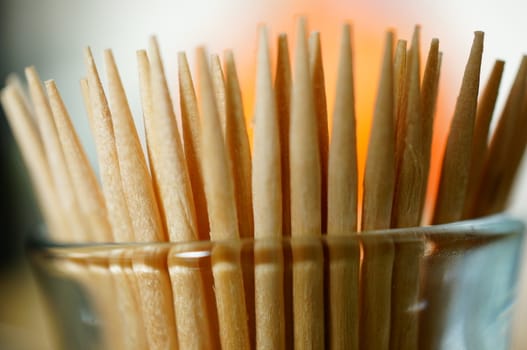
(193, 328)
(342, 208)
(379, 182)
(85, 183)
(190, 129)
(454, 179)
(485, 110)
(304, 158)
(55, 156)
(27, 136)
(283, 83)
(223, 220)
(267, 208)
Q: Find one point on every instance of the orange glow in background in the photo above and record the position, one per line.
(367, 60)
(367, 44)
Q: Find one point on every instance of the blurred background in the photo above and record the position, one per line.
(51, 35)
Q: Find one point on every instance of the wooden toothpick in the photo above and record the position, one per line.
(221, 204)
(190, 128)
(283, 83)
(491, 194)
(319, 94)
(27, 136)
(267, 208)
(411, 186)
(429, 93)
(137, 184)
(304, 158)
(379, 177)
(342, 208)
(218, 80)
(484, 114)
(379, 180)
(452, 189)
(102, 129)
(85, 183)
(237, 144)
(55, 157)
(193, 331)
(283, 86)
(410, 182)
(451, 193)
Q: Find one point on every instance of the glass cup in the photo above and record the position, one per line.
(439, 287)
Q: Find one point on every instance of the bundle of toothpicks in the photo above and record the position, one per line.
(199, 180)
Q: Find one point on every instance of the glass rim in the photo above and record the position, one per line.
(494, 225)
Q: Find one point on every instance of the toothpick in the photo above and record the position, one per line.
(303, 148)
(221, 204)
(429, 92)
(410, 183)
(214, 163)
(342, 208)
(218, 81)
(491, 196)
(15, 81)
(190, 127)
(283, 83)
(167, 156)
(239, 153)
(146, 105)
(399, 80)
(267, 201)
(151, 275)
(456, 163)
(319, 94)
(126, 287)
(110, 173)
(136, 181)
(192, 145)
(148, 227)
(55, 157)
(485, 109)
(379, 178)
(127, 300)
(411, 188)
(283, 87)
(304, 158)
(85, 182)
(517, 149)
(28, 139)
(176, 197)
(122, 298)
(452, 192)
(238, 147)
(266, 177)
